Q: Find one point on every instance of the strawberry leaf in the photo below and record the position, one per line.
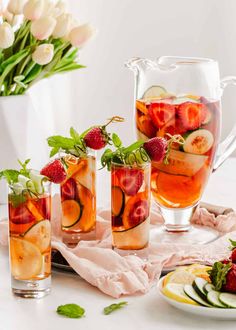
(218, 274)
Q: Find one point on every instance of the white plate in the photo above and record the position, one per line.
(214, 313)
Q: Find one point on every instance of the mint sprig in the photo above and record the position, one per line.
(113, 307)
(218, 274)
(233, 244)
(73, 311)
(134, 154)
(11, 175)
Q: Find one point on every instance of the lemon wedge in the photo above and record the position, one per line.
(175, 291)
(180, 276)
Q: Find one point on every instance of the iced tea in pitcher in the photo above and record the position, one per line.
(179, 182)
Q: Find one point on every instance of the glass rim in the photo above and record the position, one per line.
(187, 60)
(138, 166)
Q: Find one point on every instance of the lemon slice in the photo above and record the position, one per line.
(179, 277)
(26, 259)
(175, 291)
(40, 235)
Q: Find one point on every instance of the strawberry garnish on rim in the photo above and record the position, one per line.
(192, 115)
(161, 113)
(130, 180)
(54, 171)
(156, 148)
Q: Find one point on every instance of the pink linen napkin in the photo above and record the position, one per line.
(114, 275)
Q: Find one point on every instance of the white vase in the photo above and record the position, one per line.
(22, 136)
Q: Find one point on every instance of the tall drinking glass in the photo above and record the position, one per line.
(130, 204)
(30, 242)
(78, 199)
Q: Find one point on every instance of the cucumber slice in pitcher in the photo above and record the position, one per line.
(213, 298)
(154, 91)
(198, 142)
(228, 299)
(191, 293)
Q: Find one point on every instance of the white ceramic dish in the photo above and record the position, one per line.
(214, 313)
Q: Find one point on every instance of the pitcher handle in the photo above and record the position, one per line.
(228, 145)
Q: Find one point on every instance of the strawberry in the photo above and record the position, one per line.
(20, 215)
(130, 180)
(54, 171)
(161, 113)
(192, 115)
(96, 138)
(139, 212)
(156, 148)
(223, 276)
(68, 189)
(233, 253)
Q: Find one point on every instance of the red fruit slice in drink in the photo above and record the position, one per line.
(44, 205)
(136, 210)
(130, 180)
(68, 189)
(145, 125)
(192, 115)
(20, 214)
(161, 113)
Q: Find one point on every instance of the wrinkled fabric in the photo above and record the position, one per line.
(115, 275)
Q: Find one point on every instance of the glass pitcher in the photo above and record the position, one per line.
(181, 97)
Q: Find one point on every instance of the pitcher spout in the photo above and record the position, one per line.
(137, 64)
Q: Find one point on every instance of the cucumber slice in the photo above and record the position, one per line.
(154, 91)
(208, 287)
(198, 142)
(180, 100)
(213, 298)
(71, 213)
(25, 182)
(40, 235)
(198, 285)
(181, 163)
(191, 293)
(228, 299)
(17, 188)
(37, 181)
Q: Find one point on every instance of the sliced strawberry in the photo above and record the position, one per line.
(68, 189)
(192, 115)
(130, 180)
(20, 214)
(44, 205)
(145, 125)
(161, 113)
(139, 213)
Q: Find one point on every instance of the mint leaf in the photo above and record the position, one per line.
(60, 142)
(73, 311)
(218, 274)
(16, 200)
(54, 151)
(75, 135)
(116, 140)
(10, 175)
(24, 171)
(233, 244)
(113, 307)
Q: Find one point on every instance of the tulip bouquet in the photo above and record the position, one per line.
(38, 39)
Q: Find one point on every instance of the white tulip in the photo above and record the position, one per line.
(2, 7)
(60, 8)
(79, 35)
(63, 26)
(16, 6)
(33, 9)
(43, 27)
(6, 35)
(43, 54)
(8, 16)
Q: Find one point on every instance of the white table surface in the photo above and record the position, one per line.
(143, 312)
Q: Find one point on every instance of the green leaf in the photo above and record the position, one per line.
(70, 67)
(54, 151)
(233, 244)
(113, 307)
(18, 81)
(75, 135)
(61, 142)
(133, 147)
(16, 200)
(218, 274)
(71, 310)
(116, 140)
(10, 175)
(33, 74)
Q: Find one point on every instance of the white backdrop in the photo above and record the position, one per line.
(144, 28)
